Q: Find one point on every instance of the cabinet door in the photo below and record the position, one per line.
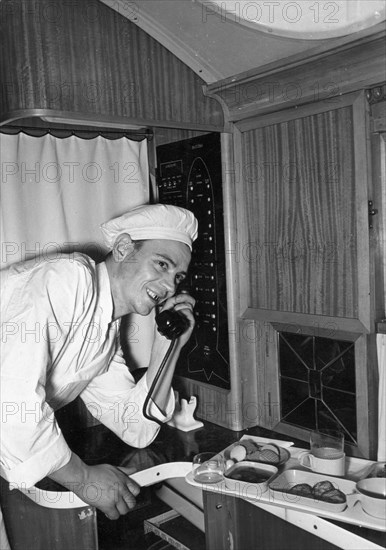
(234, 524)
(305, 254)
(306, 246)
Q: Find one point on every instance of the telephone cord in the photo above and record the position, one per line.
(154, 383)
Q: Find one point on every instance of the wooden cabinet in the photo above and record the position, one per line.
(303, 250)
(307, 257)
(306, 211)
(235, 524)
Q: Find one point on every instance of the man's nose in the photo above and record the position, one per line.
(170, 285)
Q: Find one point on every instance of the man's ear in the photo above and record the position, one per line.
(123, 247)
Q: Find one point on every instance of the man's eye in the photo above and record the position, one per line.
(163, 265)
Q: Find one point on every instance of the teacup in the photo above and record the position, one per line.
(371, 493)
(327, 466)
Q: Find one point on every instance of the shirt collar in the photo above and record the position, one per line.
(105, 300)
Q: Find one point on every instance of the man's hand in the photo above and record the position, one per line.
(109, 489)
(106, 487)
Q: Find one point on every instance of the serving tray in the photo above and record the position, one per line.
(276, 497)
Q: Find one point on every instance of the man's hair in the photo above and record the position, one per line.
(138, 244)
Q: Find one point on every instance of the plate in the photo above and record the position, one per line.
(284, 482)
(263, 453)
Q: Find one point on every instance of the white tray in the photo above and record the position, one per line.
(354, 515)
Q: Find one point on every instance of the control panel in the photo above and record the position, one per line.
(189, 175)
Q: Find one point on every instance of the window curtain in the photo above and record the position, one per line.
(56, 192)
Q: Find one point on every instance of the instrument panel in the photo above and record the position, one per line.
(189, 175)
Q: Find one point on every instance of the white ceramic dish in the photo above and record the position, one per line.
(242, 478)
(262, 453)
(288, 479)
(371, 493)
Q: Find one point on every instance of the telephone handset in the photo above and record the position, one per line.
(171, 323)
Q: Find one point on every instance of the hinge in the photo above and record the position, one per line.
(372, 212)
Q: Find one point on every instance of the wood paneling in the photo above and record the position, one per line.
(75, 58)
(302, 247)
(170, 135)
(240, 407)
(235, 524)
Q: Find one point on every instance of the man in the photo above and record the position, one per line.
(60, 339)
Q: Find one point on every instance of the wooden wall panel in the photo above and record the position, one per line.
(300, 211)
(170, 135)
(84, 58)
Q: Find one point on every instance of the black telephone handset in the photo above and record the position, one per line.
(171, 323)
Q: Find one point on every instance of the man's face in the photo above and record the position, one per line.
(151, 274)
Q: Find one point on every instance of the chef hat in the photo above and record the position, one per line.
(153, 221)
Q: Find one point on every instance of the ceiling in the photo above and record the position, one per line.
(214, 46)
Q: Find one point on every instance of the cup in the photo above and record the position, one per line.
(208, 467)
(326, 454)
(327, 444)
(371, 493)
(327, 466)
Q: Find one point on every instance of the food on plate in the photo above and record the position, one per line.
(334, 495)
(247, 449)
(323, 490)
(302, 489)
(321, 487)
(238, 453)
(270, 453)
(249, 475)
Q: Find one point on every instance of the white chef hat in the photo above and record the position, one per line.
(153, 221)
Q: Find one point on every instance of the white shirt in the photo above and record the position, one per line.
(58, 341)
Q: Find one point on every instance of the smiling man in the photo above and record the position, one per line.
(60, 339)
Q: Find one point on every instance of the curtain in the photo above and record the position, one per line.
(56, 192)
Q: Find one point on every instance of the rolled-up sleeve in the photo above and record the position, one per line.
(117, 401)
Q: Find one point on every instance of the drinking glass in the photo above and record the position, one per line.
(327, 444)
(208, 467)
